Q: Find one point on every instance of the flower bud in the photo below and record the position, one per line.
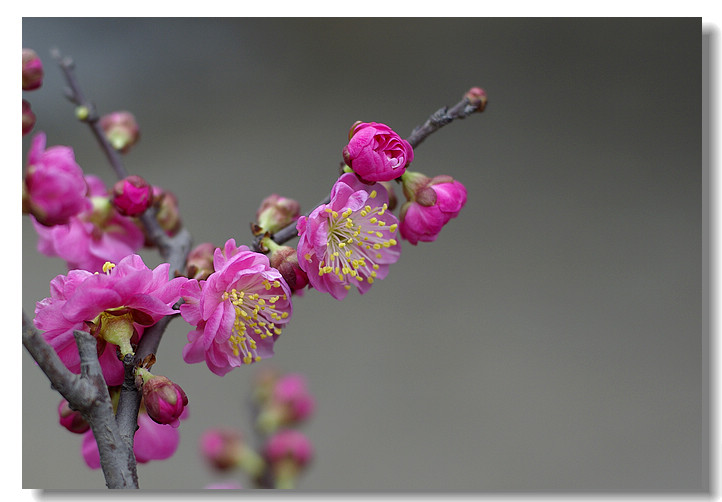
(288, 452)
(225, 449)
(277, 212)
(376, 153)
(477, 98)
(167, 212)
(28, 118)
(132, 196)
(200, 261)
(285, 260)
(164, 400)
(32, 70)
(290, 403)
(431, 204)
(71, 419)
(121, 130)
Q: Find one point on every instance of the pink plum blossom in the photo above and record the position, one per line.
(351, 241)
(432, 203)
(376, 153)
(238, 311)
(81, 299)
(93, 237)
(152, 441)
(55, 189)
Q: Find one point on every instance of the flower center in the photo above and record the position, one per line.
(255, 315)
(354, 242)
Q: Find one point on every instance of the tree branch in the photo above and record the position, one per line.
(87, 393)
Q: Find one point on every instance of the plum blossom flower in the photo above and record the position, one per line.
(431, 204)
(238, 311)
(349, 241)
(93, 237)
(288, 452)
(82, 300)
(54, 186)
(152, 441)
(376, 153)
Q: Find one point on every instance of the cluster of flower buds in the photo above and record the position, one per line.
(283, 403)
(32, 79)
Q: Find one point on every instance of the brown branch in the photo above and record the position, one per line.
(87, 393)
(174, 250)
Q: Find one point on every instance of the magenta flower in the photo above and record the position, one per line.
(55, 189)
(152, 441)
(432, 203)
(238, 311)
(132, 196)
(85, 301)
(376, 153)
(93, 237)
(349, 241)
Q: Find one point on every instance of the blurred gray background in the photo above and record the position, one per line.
(552, 339)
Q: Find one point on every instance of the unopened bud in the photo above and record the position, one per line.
(71, 419)
(32, 70)
(288, 452)
(167, 212)
(164, 400)
(277, 212)
(200, 261)
(28, 118)
(132, 196)
(121, 130)
(225, 449)
(477, 98)
(285, 260)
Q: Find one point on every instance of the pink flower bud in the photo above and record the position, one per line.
(477, 98)
(277, 212)
(32, 70)
(164, 400)
(167, 212)
(121, 130)
(376, 153)
(285, 260)
(28, 118)
(200, 261)
(291, 391)
(222, 448)
(431, 204)
(291, 445)
(71, 419)
(132, 196)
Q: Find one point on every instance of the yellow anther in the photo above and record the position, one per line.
(373, 194)
(108, 266)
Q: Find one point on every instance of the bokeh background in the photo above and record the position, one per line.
(551, 340)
